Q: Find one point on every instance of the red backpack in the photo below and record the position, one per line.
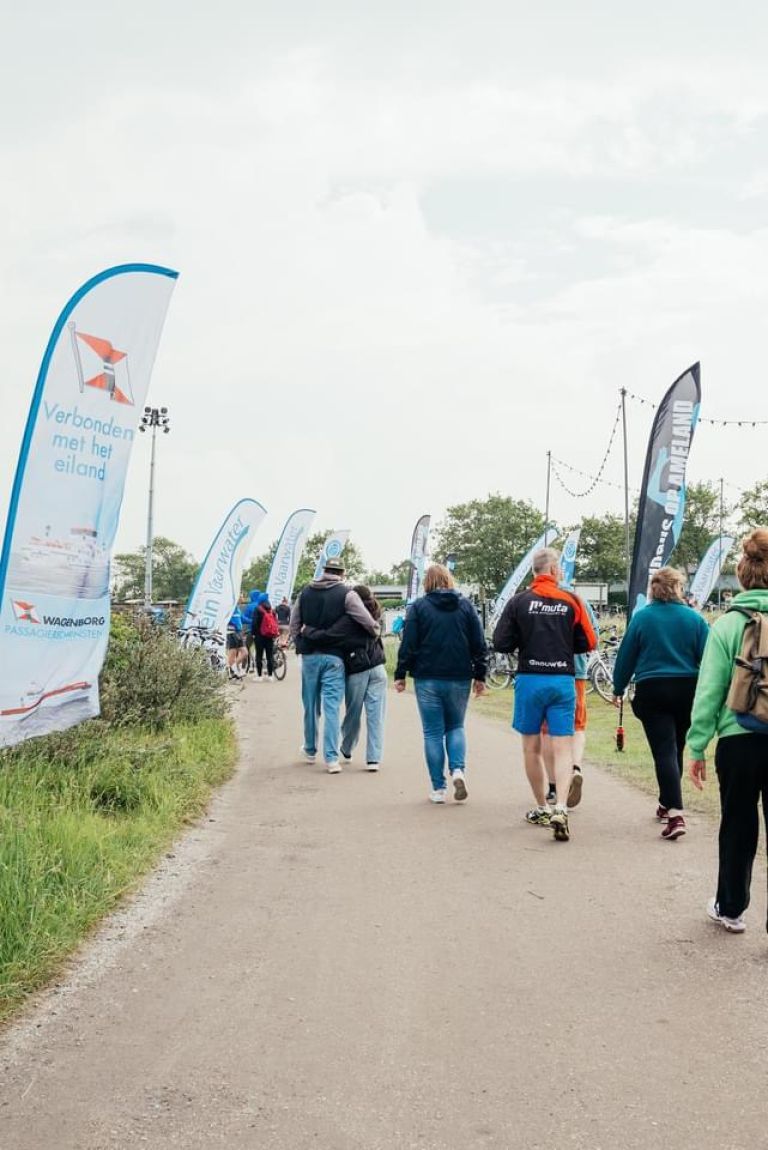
(269, 627)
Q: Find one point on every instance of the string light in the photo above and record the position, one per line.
(712, 422)
(598, 477)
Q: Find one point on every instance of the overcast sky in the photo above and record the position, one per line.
(419, 244)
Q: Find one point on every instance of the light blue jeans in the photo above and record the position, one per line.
(365, 689)
(322, 689)
(442, 706)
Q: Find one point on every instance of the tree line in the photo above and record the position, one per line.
(487, 536)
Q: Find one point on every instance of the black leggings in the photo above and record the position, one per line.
(264, 646)
(664, 706)
(742, 772)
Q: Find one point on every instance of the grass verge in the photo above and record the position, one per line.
(83, 816)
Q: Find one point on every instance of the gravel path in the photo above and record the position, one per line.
(332, 962)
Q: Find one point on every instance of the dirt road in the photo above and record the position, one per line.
(334, 963)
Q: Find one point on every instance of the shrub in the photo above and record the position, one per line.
(149, 681)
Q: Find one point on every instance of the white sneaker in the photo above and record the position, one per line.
(734, 925)
(371, 766)
(437, 796)
(270, 678)
(305, 754)
(333, 768)
(459, 786)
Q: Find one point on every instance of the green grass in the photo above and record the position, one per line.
(83, 816)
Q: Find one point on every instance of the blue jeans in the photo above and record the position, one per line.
(442, 706)
(322, 688)
(365, 689)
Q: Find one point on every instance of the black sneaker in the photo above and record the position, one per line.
(347, 758)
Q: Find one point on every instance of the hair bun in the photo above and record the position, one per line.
(755, 546)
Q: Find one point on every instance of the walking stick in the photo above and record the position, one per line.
(620, 728)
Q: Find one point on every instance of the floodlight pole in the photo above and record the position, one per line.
(152, 418)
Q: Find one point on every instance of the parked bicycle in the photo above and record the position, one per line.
(212, 643)
(502, 669)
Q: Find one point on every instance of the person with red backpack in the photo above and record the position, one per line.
(265, 629)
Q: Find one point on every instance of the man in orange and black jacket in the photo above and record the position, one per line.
(547, 626)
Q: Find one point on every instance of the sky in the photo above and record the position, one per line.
(420, 244)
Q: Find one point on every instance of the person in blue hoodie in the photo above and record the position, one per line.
(237, 653)
(255, 599)
(443, 649)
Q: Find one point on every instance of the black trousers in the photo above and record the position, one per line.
(742, 772)
(264, 646)
(664, 706)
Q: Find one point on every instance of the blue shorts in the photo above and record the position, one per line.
(545, 697)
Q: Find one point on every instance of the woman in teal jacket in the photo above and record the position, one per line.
(662, 650)
(741, 756)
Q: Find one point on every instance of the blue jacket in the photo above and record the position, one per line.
(236, 621)
(255, 598)
(442, 639)
(662, 641)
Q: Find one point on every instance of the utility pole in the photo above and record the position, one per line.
(720, 553)
(546, 507)
(152, 418)
(626, 491)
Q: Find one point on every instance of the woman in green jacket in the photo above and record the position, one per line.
(741, 756)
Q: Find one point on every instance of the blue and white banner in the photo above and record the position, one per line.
(66, 498)
(332, 549)
(662, 493)
(568, 557)
(709, 570)
(419, 541)
(217, 586)
(290, 548)
(517, 576)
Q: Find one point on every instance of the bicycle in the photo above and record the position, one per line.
(502, 669)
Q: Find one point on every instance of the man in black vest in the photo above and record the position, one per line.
(320, 605)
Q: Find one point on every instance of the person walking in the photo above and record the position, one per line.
(547, 626)
(443, 650)
(320, 605)
(662, 649)
(741, 755)
(366, 682)
(283, 613)
(265, 629)
(246, 610)
(237, 652)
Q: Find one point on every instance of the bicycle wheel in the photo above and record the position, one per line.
(602, 681)
(499, 673)
(280, 663)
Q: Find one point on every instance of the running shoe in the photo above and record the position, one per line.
(674, 829)
(437, 796)
(662, 814)
(733, 925)
(459, 786)
(552, 794)
(559, 823)
(539, 816)
(574, 791)
(333, 768)
(371, 766)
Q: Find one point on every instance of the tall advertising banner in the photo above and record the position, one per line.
(217, 586)
(709, 569)
(419, 542)
(66, 498)
(568, 558)
(517, 576)
(662, 493)
(290, 548)
(332, 549)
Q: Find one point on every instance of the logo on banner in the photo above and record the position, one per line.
(570, 550)
(105, 380)
(24, 612)
(334, 549)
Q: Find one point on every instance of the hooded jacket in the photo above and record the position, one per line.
(442, 639)
(255, 597)
(320, 605)
(710, 715)
(548, 626)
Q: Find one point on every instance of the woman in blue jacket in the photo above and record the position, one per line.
(443, 649)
